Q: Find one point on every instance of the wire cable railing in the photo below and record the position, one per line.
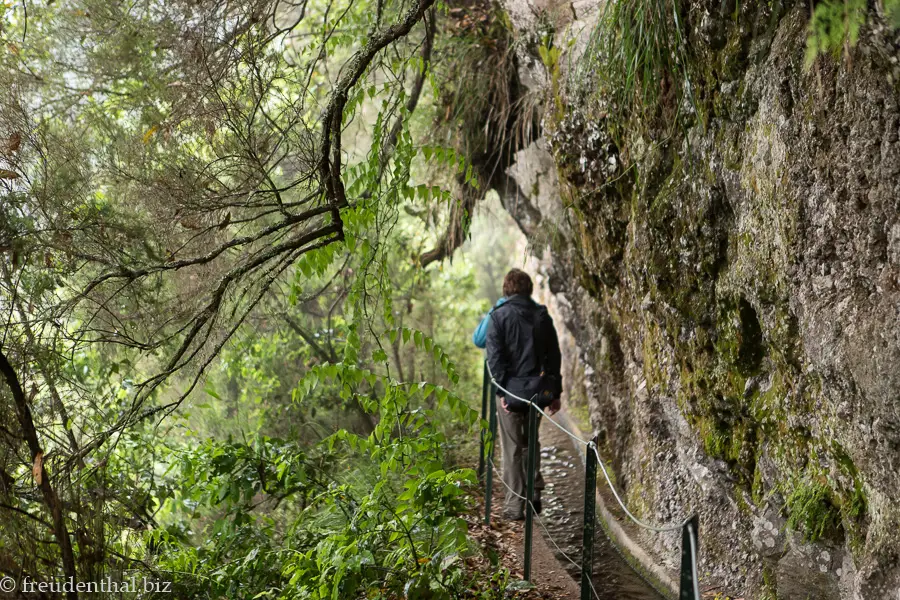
(689, 584)
(547, 531)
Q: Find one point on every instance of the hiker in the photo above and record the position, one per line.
(524, 359)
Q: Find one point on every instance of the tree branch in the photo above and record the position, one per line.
(332, 116)
(23, 411)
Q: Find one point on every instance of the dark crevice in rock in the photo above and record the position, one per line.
(751, 349)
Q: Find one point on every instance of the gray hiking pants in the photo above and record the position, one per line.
(514, 446)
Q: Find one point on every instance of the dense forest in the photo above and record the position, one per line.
(244, 244)
(226, 360)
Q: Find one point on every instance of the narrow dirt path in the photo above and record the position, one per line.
(556, 553)
(550, 579)
(563, 517)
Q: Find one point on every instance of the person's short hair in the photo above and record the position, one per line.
(517, 281)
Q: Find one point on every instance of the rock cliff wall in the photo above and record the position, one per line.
(733, 288)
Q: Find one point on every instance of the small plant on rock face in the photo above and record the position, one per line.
(639, 50)
(834, 27)
(769, 589)
(836, 24)
(810, 509)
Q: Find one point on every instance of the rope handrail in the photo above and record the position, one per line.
(656, 528)
(590, 445)
(538, 408)
(544, 527)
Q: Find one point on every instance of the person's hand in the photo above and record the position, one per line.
(503, 404)
(554, 406)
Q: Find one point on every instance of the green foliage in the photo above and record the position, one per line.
(232, 474)
(550, 57)
(253, 414)
(357, 512)
(892, 11)
(836, 24)
(810, 508)
(379, 516)
(457, 163)
(639, 52)
(834, 27)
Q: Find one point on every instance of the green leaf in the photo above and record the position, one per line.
(210, 390)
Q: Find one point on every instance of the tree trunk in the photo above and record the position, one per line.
(50, 498)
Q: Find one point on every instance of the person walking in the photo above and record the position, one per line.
(523, 357)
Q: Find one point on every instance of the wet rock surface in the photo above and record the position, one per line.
(734, 299)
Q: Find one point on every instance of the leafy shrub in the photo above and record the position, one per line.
(373, 516)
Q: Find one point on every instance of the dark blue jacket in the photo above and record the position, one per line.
(522, 341)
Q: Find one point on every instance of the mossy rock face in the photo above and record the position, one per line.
(733, 282)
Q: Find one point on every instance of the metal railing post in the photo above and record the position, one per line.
(484, 398)
(529, 490)
(689, 588)
(489, 463)
(587, 531)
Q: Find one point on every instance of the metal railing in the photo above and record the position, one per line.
(689, 581)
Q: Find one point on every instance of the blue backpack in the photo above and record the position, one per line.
(479, 338)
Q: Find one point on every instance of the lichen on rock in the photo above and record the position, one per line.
(730, 261)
